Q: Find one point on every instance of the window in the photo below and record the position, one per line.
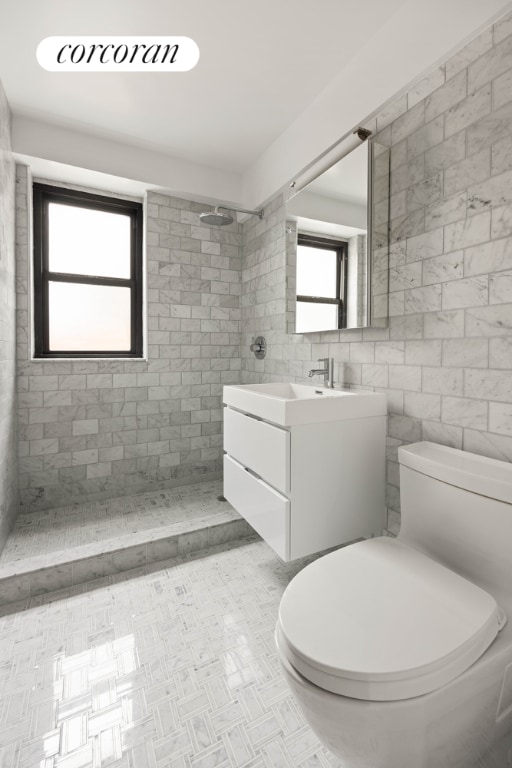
(87, 274)
(321, 283)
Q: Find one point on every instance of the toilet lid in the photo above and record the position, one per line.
(380, 621)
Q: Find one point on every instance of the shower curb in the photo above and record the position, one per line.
(24, 579)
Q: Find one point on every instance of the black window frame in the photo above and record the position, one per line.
(43, 195)
(341, 249)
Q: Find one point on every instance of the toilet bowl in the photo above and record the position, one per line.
(398, 651)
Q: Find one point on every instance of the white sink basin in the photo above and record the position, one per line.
(289, 404)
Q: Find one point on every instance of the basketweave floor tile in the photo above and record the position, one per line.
(174, 667)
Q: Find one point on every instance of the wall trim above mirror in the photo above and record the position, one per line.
(347, 204)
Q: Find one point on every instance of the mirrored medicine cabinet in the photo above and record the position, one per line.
(337, 233)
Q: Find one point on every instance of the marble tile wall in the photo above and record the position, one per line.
(445, 359)
(266, 287)
(8, 450)
(92, 429)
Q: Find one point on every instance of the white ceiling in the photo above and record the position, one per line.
(261, 64)
(278, 82)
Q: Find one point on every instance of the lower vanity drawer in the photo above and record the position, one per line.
(264, 508)
(260, 446)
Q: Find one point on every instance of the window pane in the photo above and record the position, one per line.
(315, 317)
(89, 317)
(88, 242)
(316, 272)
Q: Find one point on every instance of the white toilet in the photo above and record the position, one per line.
(398, 651)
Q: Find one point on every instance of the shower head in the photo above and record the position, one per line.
(217, 219)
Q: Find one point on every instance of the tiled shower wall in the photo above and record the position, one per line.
(264, 282)
(445, 359)
(8, 452)
(91, 429)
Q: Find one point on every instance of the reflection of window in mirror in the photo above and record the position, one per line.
(321, 283)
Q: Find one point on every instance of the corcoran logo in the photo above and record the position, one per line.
(117, 54)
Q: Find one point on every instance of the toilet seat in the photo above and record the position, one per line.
(380, 621)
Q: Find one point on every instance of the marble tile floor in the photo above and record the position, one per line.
(59, 548)
(167, 666)
(42, 532)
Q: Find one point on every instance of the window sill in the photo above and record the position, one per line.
(89, 360)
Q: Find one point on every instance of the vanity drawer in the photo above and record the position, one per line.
(264, 508)
(260, 446)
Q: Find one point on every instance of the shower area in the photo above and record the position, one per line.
(120, 460)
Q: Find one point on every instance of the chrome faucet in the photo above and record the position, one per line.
(327, 372)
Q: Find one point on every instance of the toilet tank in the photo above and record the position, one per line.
(457, 507)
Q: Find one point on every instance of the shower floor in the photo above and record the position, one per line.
(185, 508)
(59, 548)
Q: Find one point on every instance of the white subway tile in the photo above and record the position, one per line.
(500, 352)
(443, 268)
(406, 377)
(468, 232)
(491, 193)
(89, 456)
(422, 406)
(426, 86)
(488, 385)
(445, 97)
(406, 327)
(490, 65)
(471, 170)
(409, 122)
(501, 222)
(500, 418)
(464, 412)
(425, 299)
(488, 257)
(489, 129)
(467, 111)
(406, 276)
(85, 427)
(500, 288)
(444, 434)
(424, 352)
(404, 428)
(466, 353)
(501, 155)
(444, 325)
(488, 444)
(444, 381)
(443, 155)
(390, 352)
(494, 320)
(471, 292)
(449, 210)
(469, 53)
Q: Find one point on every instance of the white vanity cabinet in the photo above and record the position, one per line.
(305, 487)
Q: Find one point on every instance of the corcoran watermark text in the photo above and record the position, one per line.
(117, 54)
